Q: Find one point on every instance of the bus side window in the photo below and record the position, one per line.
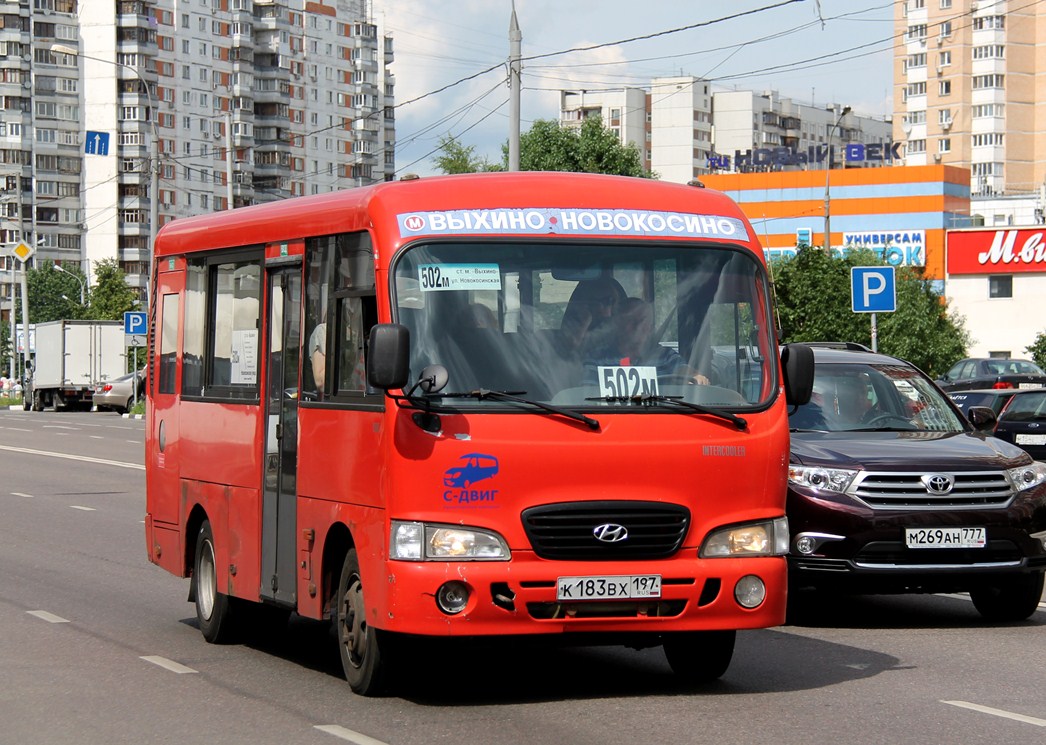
(168, 344)
(317, 291)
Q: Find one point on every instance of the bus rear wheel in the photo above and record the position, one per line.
(699, 656)
(214, 611)
(365, 650)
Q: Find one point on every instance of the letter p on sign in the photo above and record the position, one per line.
(873, 289)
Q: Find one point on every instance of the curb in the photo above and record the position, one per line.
(133, 416)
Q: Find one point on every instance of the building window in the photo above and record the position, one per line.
(988, 81)
(944, 88)
(916, 146)
(944, 145)
(1000, 286)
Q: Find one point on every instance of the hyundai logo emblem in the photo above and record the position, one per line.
(938, 483)
(610, 532)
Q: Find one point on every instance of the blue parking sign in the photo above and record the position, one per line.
(135, 323)
(873, 289)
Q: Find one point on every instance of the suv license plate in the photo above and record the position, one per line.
(609, 588)
(944, 537)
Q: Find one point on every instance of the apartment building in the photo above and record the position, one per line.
(968, 90)
(685, 130)
(120, 116)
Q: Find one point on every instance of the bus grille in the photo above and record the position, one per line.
(567, 531)
(909, 491)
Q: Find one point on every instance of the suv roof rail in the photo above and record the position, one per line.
(850, 345)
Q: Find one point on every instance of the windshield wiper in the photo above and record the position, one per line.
(481, 394)
(650, 399)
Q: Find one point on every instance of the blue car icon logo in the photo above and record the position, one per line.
(475, 467)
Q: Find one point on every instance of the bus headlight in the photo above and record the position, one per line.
(416, 541)
(763, 538)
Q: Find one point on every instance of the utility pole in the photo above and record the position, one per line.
(827, 192)
(228, 171)
(515, 43)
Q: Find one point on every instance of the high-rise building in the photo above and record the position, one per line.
(218, 103)
(968, 90)
(625, 111)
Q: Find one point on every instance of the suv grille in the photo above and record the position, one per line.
(566, 531)
(910, 491)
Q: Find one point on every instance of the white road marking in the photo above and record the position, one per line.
(20, 494)
(61, 426)
(68, 456)
(167, 664)
(997, 712)
(95, 437)
(16, 429)
(347, 734)
(49, 617)
(85, 509)
(956, 596)
(134, 442)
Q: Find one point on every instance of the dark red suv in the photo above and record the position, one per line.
(891, 489)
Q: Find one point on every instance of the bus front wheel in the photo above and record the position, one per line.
(699, 656)
(214, 611)
(365, 650)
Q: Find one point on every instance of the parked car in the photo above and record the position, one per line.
(974, 373)
(994, 398)
(118, 394)
(1023, 422)
(892, 490)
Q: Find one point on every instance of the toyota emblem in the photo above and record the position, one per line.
(938, 483)
(610, 533)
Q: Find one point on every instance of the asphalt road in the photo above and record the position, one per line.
(97, 645)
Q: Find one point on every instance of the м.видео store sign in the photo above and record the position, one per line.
(996, 251)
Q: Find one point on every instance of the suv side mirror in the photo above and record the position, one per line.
(983, 418)
(388, 356)
(797, 362)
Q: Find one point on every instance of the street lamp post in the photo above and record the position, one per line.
(83, 285)
(154, 147)
(827, 191)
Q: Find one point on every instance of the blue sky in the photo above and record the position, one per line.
(843, 49)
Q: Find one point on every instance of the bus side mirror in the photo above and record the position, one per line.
(797, 362)
(982, 418)
(388, 356)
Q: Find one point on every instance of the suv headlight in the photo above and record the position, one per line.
(763, 538)
(415, 541)
(823, 479)
(1025, 477)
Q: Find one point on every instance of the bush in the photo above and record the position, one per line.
(1037, 349)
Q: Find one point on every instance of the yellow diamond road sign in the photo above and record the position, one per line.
(23, 251)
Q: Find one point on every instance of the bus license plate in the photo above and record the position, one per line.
(945, 537)
(609, 588)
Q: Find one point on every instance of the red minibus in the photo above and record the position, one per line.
(491, 404)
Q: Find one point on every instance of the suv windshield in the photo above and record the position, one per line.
(849, 397)
(589, 325)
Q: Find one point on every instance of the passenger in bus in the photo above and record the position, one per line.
(586, 320)
(318, 355)
(633, 344)
(477, 316)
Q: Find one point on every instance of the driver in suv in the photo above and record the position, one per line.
(892, 490)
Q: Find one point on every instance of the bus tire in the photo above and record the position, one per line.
(1011, 599)
(214, 611)
(365, 651)
(699, 656)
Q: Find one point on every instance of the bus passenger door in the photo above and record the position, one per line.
(163, 471)
(279, 522)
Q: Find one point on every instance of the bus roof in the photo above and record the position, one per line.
(378, 206)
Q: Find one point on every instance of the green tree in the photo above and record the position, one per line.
(1037, 349)
(457, 158)
(111, 297)
(5, 345)
(592, 148)
(813, 301)
(54, 295)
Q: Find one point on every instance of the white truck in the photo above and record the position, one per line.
(71, 357)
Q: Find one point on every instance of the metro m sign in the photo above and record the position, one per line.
(995, 251)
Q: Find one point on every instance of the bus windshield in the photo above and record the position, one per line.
(591, 325)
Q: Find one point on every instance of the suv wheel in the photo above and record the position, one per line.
(1011, 599)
